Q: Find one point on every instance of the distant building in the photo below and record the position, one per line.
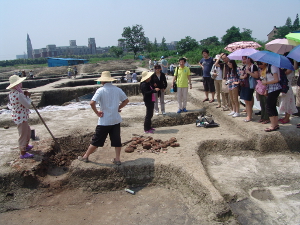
(29, 48)
(24, 56)
(54, 51)
(272, 33)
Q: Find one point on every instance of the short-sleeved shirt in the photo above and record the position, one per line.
(207, 64)
(109, 98)
(134, 76)
(270, 77)
(183, 74)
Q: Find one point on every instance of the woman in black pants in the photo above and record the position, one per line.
(274, 89)
(158, 80)
(149, 99)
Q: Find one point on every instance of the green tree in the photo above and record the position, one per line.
(246, 35)
(186, 44)
(288, 22)
(118, 51)
(232, 35)
(296, 23)
(210, 41)
(155, 45)
(282, 31)
(134, 38)
(163, 46)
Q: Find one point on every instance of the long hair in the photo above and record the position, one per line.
(234, 67)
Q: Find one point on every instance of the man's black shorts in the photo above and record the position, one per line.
(101, 133)
(208, 84)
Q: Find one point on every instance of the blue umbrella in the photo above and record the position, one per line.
(295, 53)
(273, 59)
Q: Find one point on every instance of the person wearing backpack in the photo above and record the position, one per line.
(249, 74)
(272, 82)
(287, 101)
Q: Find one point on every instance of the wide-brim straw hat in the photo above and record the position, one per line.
(105, 76)
(15, 80)
(127, 72)
(146, 75)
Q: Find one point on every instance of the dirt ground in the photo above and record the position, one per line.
(217, 171)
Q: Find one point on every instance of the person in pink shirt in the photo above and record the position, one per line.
(19, 104)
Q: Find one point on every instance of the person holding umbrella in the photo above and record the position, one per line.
(19, 104)
(250, 71)
(274, 89)
(287, 101)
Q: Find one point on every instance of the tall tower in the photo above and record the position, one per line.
(29, 48)
(92, 45)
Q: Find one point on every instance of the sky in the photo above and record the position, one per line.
(58, 21)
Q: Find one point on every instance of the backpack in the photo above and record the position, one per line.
(284, 82)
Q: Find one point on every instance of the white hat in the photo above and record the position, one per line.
(127, 72)
(217, 57)
(15, 80)
(146, 75)
(105, 76)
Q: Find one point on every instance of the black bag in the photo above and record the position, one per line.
(174, 83)
(174, 86)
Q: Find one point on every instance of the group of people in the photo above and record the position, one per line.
(223, 78)
(72, 72)
(130, 78)
(23, 74)
(163, 63)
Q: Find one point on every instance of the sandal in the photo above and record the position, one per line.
(118, 163)
(80, 158)
(218, 106)
(266, 121)
(284, 122)
(205, 100)
(211, 101)
(261, 120)
(298, 125)
(272, 129)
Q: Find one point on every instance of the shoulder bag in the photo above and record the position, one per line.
(174, 83)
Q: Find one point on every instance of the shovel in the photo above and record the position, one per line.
(56, 143)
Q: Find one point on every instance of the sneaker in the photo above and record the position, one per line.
(156, 113)
(26, 156)
(179, 111)
(164, 113)
(236, 115)
(29, 147)
(184, 110)
(152, 129)
(231, 114)
(80, 158)
(149, 131)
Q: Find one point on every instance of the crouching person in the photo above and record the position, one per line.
(109, 98)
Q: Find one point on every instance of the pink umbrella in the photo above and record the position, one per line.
(241, 45)
(238, 54)
(281, 46)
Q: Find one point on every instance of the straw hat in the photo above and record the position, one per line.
(146, 75)
(127, 72)
(106, 77)
(15, 80)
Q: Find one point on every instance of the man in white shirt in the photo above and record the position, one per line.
(109, 98)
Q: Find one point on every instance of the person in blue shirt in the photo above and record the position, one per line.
(206, 63)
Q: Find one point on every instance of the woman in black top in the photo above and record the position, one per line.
(158, 80)
(148, 98)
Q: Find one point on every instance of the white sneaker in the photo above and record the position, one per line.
(164, 113)
(156, 113)
(236, 115)
(232, 113)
